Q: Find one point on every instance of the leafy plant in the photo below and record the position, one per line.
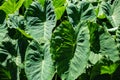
(59, 40)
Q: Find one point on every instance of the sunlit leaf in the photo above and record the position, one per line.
(109, 69)
(59, 8)
(10, 6)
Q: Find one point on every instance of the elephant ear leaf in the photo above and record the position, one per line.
(40, 20)
(38, 62)
(78, 14)
(112, 12)
(70, 50)
(108, 47)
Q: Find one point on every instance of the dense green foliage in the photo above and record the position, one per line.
(59, 39)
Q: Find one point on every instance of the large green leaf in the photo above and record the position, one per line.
(10, 6)
(100, 40)
(38, 62)
(62, 46)
(40, 20)
(108, 47)
(112, 12)
(82, 13)
(70, 50)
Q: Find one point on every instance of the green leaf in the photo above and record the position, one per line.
(9, 57)
(112, 12)
(38, 62)
(108, 47)
(40, 21)
(62, 46)
(16, 21)
(82, 13)
(100, 14)
(10, 6)
(59, 8)
(109, 69)
(27, 3)
(70, 50)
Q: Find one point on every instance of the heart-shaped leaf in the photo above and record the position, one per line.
(40, 20)
(70, 50)
(38, 62)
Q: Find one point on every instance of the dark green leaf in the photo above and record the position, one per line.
(82, 13)
(70, 50)
(112, 12)
(2, 16)
(38, 62)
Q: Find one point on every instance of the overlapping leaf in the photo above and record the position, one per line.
(16, 26)
(7, 49)
(82, 13)
(70, 50)
(38, 62)
(108, 47)
(40, 20)
(112, 12)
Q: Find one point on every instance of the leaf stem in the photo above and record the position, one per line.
(56, 77)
